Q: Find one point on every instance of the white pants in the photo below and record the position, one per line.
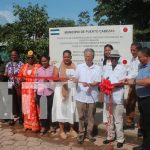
(104, 113)
(115, 122)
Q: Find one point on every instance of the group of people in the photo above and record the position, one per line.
(70, 93)
(137, 77)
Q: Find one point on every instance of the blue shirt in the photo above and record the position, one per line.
(144, 72)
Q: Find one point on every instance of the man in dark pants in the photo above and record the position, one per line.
(143, 93)
(11, 70)
(132, 97)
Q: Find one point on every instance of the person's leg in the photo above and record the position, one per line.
(130, 108)
(140, 130)
(110, 125)
(81, 108)
(14, 106)
(49, 111)
(42, 120)
(141, 124)
(73, 133)
(19, 106)
(61, 126)
(91, 113)
(145, 113)
(118, 120)
(104, 114)
(15, 103)
(62, 132)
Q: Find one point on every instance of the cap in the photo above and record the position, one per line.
(30, 53)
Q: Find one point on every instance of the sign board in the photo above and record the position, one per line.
(77, 39)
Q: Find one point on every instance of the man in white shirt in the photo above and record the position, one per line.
(132, 98)
(114, 106)
(89, 76)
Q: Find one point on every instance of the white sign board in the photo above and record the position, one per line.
(77, 39)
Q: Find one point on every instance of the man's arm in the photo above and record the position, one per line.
(144, 82)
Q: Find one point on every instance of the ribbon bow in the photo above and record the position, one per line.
(106, 87)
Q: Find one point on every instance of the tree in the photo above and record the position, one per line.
(33, 20)
(84, 18)
(31, 30)
(134, 12)
(61, 23)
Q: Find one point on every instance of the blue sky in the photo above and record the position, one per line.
(68, 9)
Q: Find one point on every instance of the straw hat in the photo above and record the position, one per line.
(115, 54)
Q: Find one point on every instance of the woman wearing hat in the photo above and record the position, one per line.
(114, 107)
(27, 76)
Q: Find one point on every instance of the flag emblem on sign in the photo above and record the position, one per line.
(54, 31)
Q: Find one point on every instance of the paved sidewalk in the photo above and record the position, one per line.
(14, 138)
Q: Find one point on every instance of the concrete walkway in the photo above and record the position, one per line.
(14, 138)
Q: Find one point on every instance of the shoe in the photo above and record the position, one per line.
(63, 135)
(131, 127)
(4, 120)
(25, 129)
(73, 133)
(11, 122)
(140, 133)
(21, 121)
(108, 141)
(90, 137)
(16, 118)
(119, 144)
(43, 131)
(52, 130)
(80, 138)
(138, 148)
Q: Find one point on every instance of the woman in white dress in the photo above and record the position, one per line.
(64, 108)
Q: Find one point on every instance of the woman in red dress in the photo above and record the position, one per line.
(30, 109)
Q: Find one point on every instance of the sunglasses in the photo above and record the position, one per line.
(30, 57)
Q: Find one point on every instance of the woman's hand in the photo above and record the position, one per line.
(35, 96)
(46, 80)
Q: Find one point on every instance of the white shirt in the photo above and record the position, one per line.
(115, 76)
(87, 74)
(133, 68)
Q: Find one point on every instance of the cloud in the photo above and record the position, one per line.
(6, 17)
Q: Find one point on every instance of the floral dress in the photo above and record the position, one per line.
(29, 106)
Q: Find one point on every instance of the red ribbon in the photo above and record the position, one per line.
(106, 87)
(34, 77)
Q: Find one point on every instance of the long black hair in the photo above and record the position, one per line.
(106, 58)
